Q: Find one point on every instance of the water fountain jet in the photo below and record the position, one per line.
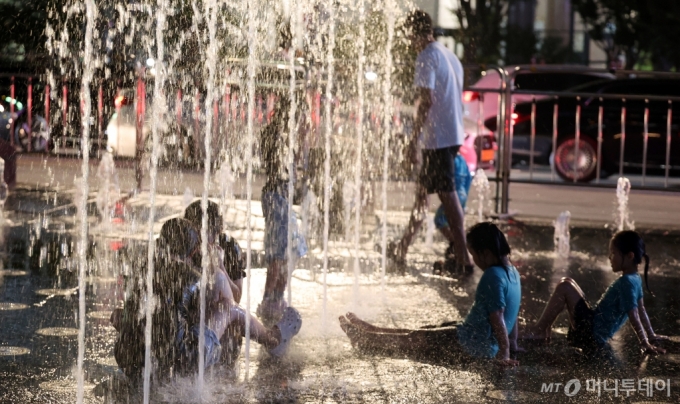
(562, 236)
(481, 185)
(622, 212)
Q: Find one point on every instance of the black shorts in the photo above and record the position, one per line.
(438, 172)
(582, 335)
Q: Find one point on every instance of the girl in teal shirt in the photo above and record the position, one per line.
(489, 330)
(593, 327)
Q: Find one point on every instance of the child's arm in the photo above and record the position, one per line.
(513, 338)
(501, 333)
(644, 318)
(634, 318)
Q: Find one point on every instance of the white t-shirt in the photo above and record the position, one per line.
(438, 69)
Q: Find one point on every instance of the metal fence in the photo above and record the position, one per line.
(580, 125)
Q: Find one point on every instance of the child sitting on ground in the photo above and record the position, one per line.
(217, 243)
(490, 328)
(591, 328)
(176, 319)
(179, 243)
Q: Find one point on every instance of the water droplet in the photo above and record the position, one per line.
(100, 315)
(561, 330)
(56, 292)
(13, 272)
(13, 350)
(108, 361)
(6, 306)
(58, 332)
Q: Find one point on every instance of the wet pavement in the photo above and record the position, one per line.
(38, 317)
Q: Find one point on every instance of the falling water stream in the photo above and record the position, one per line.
(158, 113)
(328, 109)
(359, 145)
(88, 54)
(387, 130)
(210, 10)
(252, 49)
(292, 139)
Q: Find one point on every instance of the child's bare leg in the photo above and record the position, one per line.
(282, 279)
(372, 340)
(405, 341)
(269, 337)
(447, 233)
(372, 328)
(273, 275)
(566, 294)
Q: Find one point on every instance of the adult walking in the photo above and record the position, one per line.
(439, 128)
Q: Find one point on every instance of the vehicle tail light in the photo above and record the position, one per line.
(469, 96)
(488, 155)
(120, 101)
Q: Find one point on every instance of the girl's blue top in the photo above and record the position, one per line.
(611, 312)
(499, 288)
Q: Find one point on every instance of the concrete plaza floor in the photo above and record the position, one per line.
(39, 311)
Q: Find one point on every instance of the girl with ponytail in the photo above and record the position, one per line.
(490, 328)
(593, 327)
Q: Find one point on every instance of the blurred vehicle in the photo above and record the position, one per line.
(478, 149)
(564, 155)
(528, 80)
(121, 130)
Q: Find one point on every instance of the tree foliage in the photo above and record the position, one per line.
(639, 29)
(480, 29)
(22, 32)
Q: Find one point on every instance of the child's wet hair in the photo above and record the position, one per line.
(629, 241)
(487, 236)
(194, 214)
(179, 238)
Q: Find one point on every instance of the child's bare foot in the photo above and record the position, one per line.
(353, 333)
(359, 323)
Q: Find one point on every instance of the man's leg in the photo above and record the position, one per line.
(456, 219)
(455, 215)
(415, 222)
(275, 210)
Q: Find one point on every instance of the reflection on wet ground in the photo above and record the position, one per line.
(38, 313)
